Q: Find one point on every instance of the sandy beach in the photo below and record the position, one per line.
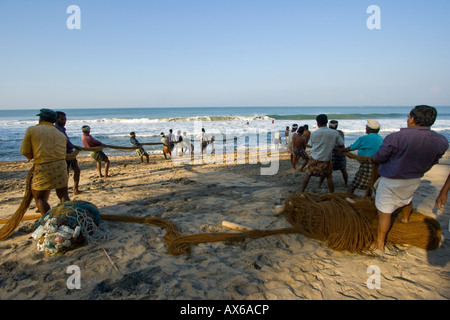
(133, 263)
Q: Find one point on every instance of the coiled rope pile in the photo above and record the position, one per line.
(347, 222)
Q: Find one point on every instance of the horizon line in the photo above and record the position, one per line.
(176, 107)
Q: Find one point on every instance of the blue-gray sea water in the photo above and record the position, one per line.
(112, 126)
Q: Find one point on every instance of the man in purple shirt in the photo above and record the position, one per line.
(403, 159)
(60, 124)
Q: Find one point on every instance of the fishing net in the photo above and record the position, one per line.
(67, 225)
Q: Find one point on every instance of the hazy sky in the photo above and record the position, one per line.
(182, 53)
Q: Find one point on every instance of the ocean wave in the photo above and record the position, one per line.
(339, 116)
(176, 119)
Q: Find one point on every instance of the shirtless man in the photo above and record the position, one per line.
(306, 133)
(298, 148)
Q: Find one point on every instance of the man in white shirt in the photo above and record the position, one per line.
(172, 139)
(322, 142)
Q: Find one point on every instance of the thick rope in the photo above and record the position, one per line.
(343, 221)
(120, 147)
(13, 222)
(348, 222)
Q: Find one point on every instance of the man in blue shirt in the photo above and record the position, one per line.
(403, 159)
(367, 146)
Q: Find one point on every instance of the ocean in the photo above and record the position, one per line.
(112, 126)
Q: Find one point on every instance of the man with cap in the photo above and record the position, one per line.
(367, 146)
(46, 146)
(99, 156)
(403, 159)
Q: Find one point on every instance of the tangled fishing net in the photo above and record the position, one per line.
(67, 225)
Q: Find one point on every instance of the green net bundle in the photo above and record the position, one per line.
(67, 225)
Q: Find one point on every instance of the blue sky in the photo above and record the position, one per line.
(207, 53)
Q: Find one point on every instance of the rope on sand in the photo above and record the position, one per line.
(13, 222)
(344, 221)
